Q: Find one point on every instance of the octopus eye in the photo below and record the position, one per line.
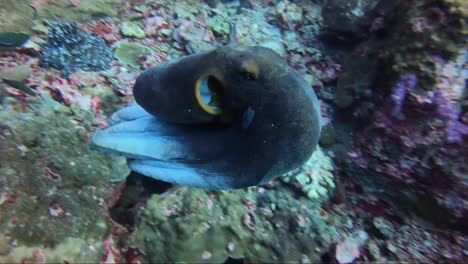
(208, 92)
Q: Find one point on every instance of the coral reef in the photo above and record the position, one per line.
(68, 49)
(414, 39)
(289, 14)
(413, 144)
(193, 37)
(76, 10)
(346, 20)
(132, 30)
(256, 224)
(107, 29)
(55, 188)
(131, 53)
(73, 250)
(20, 16)
(315, 177)
(429, 30)
(420, 151)
(373, 230)
(394, 112)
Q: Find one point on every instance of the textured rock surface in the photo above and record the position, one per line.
(256, 224)
(16, 16)
(69, 49)
(411, 39)
(130, 53)
(398, 152)
(84, 11)
(132, 30)
(346, 20)
(53, 188)
(315, 177)
(417, 128)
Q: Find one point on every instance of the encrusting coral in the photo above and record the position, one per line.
(315, 177)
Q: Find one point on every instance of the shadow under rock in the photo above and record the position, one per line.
(137, 190)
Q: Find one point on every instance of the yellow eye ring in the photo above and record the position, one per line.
(207, 92)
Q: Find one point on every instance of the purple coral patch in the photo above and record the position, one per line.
(405, 84)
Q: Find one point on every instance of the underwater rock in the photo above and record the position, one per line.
(84, 11)
(275, 45)
(132, 29)
(57, 189)
(268, 227)
(355, 82)
(421, 36)
(219, 25)
(186, 11)
(215, 3)
(418, 36)
(289, 14)
(108, 29)
(231, 98)
(71, 250)
(157, 26)
(16, 16)
(131, 52)
(252, 29)
(192, 37)
(347, 21)
(69, 49)
(409, 104)
(18, 73)
(327, 135)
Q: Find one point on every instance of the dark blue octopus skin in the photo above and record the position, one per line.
(262, 122)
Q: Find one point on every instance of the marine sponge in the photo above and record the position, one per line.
(70, 49)
(315, 177)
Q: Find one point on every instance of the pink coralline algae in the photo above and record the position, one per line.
(326, 72)
(455, 129)
(348, 249)
(154, 24)
(111, 255)
(430, 108)
(104, 28)
(64, 92)
(416, 140)
(406, 83)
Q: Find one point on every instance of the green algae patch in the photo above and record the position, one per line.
(85, 11)
(193, 225)
(131, 52)
(16, 16)
(219, 25)
(18, 73)
(72, 250)
(132, 29)
(54, 187)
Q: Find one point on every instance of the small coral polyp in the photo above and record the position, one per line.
(69, 49)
